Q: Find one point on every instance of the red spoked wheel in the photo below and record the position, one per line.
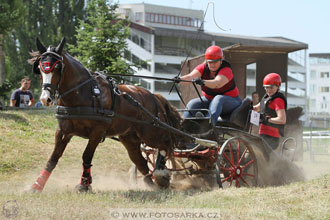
(236, 164)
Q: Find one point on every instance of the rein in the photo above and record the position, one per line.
(149, 77)
(74, 88)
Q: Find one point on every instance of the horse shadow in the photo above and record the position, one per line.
(158, 196)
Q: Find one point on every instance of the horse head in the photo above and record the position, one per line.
(50, 67)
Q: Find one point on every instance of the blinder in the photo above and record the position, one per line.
(48, 61)
(36, 67)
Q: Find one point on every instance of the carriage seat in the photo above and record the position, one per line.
(238, 118)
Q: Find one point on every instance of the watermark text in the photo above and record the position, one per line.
(170, 213)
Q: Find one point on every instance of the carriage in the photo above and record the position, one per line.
(230, 152)
(91, 105)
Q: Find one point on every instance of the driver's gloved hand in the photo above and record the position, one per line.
(263, 118)
(177, 79)
(199, 81)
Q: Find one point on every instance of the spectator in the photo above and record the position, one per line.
(255, 98)
(22, 97)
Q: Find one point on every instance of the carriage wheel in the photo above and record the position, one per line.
(236, 164)
(288, 148)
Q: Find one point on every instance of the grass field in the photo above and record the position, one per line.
(27, 139)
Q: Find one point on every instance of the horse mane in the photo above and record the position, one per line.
(72, 59)
(35, 55)
(172, 115)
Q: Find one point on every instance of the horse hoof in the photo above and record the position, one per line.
(148, 181)
(162, 178)
(83, 188)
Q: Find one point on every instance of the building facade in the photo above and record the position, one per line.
(166, 37)
(319, 90)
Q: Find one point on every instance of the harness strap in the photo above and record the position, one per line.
(156, 121)
(74, 88)
(63, 112)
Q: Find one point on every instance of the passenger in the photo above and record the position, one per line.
(255, 98)
(215, 76)
(272, 109)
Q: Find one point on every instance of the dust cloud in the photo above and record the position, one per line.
(274, 170)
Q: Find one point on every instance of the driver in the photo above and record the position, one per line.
(272, 109)
(215, 76)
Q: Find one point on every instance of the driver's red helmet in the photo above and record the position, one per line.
(272, 79)
(213, 54)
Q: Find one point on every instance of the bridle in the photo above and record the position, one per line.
(53, 90)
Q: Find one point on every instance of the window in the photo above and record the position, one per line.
(324, 89)
(189, 21)
(135, 59)
(148, 17)
(180, 20)
(324, 74)
(135, 39)
(163, 86)
(185, 21)
(145, 84)
(138, 16)
(156, 18)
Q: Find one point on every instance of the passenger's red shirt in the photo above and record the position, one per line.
(275, 104)
(228, 73)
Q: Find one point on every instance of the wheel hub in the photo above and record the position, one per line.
(238, 171)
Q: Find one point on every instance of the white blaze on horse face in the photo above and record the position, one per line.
(45, 94)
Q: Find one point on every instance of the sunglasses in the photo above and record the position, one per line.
(270, 87)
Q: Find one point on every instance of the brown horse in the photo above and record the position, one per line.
(91, 106)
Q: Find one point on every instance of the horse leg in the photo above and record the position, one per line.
(86, 178)
(160, 173)
(61, 141)
(132, 144)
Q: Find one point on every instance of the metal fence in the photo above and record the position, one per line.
(317, 139)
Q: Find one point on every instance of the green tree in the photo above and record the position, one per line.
(101, 39)
(68, 14)
(11, 12)
(49, 20)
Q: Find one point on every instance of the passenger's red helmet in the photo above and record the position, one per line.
(213, 54)
(272, 79)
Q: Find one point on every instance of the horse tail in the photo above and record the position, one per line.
(293, 114)
(172, 116)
